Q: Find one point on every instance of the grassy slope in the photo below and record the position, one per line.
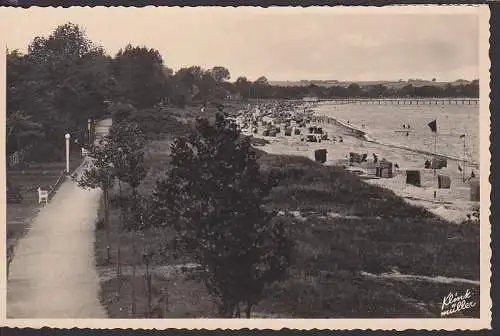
(383, 233)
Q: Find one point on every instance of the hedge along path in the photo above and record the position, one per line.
(53, 274)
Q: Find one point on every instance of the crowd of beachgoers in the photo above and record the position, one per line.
(296, 128)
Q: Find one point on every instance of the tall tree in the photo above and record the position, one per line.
(64, 81)
(207, 86)
(261, 88)
(243, 86)
(407, 91)
(262, 80)
(189, 78)
(220, 74)
(140, 75)
(16, 71)
(101, 173)
(214, 197)
(354, 90)
(128, 141)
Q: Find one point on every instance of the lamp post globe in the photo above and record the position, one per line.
(67, 136)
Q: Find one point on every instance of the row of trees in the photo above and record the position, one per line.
(65, 79)
(119, 158)
(213, 196)
(213, 191)
(261, 89)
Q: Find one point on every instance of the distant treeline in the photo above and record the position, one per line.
(65, 79)
(259, 90)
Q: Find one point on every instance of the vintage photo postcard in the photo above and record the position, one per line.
(213, 167)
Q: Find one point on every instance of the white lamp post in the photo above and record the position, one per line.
(89, 125)
(67, 136)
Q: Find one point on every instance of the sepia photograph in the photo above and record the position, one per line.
(246, 167)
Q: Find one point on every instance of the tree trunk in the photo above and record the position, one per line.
(134, 252)
(18, 142)
(248, 310)
(226, 309)
(149, 284)
(106, 210)
(118, 261)
(118, 270)
(238, 312)
(133, 274)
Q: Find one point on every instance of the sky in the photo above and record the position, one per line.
(280, 43)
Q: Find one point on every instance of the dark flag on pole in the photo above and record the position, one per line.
(459, 168)
(433, 126)
(462, 136)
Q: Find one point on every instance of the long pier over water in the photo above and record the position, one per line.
(401, 101)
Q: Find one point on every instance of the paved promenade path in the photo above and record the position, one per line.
(53, 273)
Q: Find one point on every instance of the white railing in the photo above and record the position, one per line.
(16, 158)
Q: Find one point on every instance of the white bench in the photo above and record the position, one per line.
(43, 195)
(85, 152)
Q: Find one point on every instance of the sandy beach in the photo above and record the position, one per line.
(452, 204)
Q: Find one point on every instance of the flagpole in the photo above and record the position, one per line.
(435, 150)
(463, 171)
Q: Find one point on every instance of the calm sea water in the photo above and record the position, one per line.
(383, 123)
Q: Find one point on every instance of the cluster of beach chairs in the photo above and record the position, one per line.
(293, 119)
(287, 117)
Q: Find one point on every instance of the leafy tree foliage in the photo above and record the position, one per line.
(262, 80)
(354, 90)
(243, 86)
(141, 76)
(220, 74)
(118, 155)
(200, 85)
(65, 78)
(102, 171)
(130, 168)
(259, 89)
(75, 73)
(21, 130)
(128, 142)
(121, 111)
(214, 196)
(62, 81)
